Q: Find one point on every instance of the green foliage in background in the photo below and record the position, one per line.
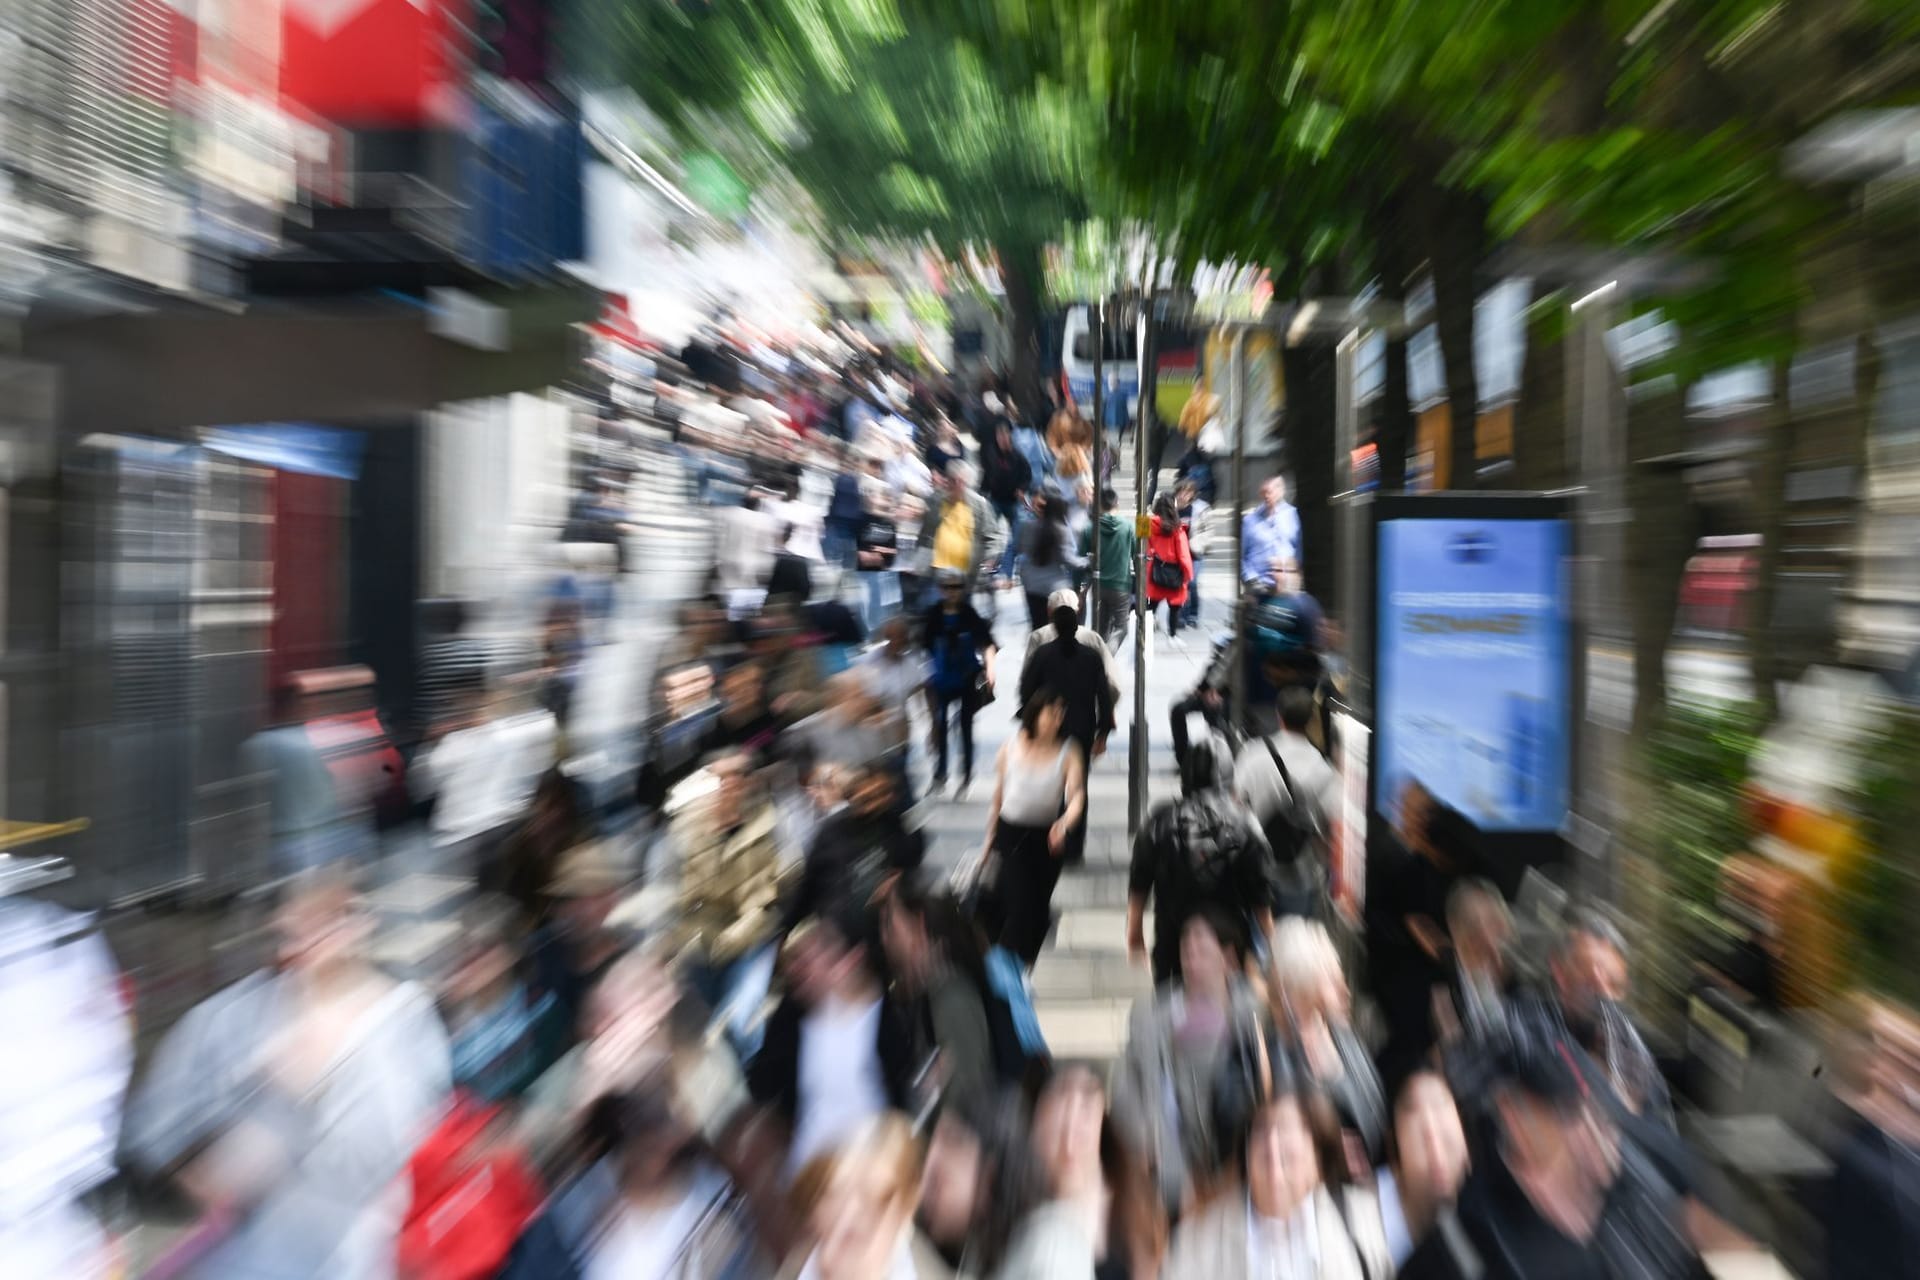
(1698, 761)
(1878, 899)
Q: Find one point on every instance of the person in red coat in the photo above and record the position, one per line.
(1169, 562)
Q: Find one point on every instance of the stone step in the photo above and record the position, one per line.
(1067, 977)
(1092, 1031)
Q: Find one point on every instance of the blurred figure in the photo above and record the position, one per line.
(310, 827)
(877, 555)
(1177, 1041)
(1008, 478)
(944, 447)
(1070, 660)
(853, 730)
(940, 985)
(743, 554)
(858, 854)
(453, 665)
(1589, 974)
(961, 654)
(1049, 557)
(858, 1201)
(1314, 1041)
(1100, 1215)
(835, 1054)
(1269, 539)
(63, 1082)
(656, 1205)
(288, 1105)
(500, 1040)
(745, 720)
(1199, 853)
(728, 895)
(1196, 521)
(577, 945)
(1427, 1163)
(1480, 931)
(1408, 880)
(1870, 1225)
(961, 531)
(1209, 697)
(1113, 586)
(1563, 1195)
(530, 858)
(846, 514)
(1039, 799)
(1169, 563)
(1285, 1221)
(978, 1166)
(791, 577)
(1294, 794)
(894, 676)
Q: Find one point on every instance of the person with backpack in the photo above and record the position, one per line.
(1292, 792)
(958, 1024)
(1169, 562)
(1201, 851)
(960, 658)
(1113, 584)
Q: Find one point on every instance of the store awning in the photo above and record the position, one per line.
(141, 363)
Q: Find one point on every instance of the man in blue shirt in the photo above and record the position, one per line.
(1269, 537)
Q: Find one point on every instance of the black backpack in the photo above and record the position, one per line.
(1295, 829)
(1296, 834)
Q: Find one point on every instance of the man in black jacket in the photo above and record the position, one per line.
(835, 1051)
(1077, 672)
(1565, 1195)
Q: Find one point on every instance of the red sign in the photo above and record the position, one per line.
(371, 63)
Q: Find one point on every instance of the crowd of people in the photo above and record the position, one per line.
(822, 1059)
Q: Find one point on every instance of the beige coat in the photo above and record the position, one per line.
(1214, 1245)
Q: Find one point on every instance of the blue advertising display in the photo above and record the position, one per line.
(1472, 682)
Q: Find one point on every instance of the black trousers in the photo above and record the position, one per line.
(1021, 914)
(1113, 609)
(945, 704)
(1036, 611)
(1177, 722)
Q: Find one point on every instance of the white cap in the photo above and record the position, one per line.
(1064, 598)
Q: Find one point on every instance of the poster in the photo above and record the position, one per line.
(1472, 688)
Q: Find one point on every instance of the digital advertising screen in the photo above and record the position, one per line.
(1472, 682)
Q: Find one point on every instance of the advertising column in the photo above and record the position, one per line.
(1472, 663)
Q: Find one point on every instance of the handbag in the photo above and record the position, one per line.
(1166, 576)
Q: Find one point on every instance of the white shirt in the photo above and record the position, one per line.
(806, 523)
(840, 1084)
(645, 1244)
(1259, 782)
(1283, 1248)
(745, 554)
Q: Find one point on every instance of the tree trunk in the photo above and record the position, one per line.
(1770, 505)
(1458, 238)
(1022, 273)
(1311, 376)
(1659, 539)
(1540, 419)
(1393, 412)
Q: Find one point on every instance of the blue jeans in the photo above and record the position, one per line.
(839, 546)
(1191, 615)
(1015, 518)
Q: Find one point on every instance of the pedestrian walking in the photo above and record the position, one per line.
(1294, 794)
(1048, 557)
(1169, 562)
(1039, 799)
(1196, 518)
(961, 532)
(961, 655)
(1203, 851)
(1072, 662)
(1113, 585)
(1269, 538)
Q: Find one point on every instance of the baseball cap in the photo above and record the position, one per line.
(1064, 598)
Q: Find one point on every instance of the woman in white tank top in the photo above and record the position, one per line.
(1037, 800)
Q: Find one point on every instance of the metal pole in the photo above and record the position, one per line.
(1236, 388)
(1097, 335)
(1144, 471)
